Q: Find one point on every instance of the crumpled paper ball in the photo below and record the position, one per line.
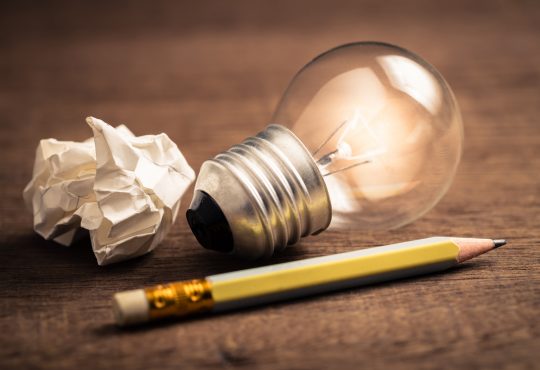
(123, 189)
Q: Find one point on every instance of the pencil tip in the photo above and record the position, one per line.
(499, 243)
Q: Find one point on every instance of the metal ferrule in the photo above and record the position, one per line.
(270, 190)
(179, 299)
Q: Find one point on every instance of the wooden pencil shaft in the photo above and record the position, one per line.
(338, 271)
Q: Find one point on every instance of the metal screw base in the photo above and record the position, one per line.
(270, 191)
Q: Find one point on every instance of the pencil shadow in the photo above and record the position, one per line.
(210, 262)
(190, 261)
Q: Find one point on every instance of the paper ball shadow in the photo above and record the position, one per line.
(34, 252)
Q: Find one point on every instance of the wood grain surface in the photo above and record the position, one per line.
(209, 74)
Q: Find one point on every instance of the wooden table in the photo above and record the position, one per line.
(210, 74)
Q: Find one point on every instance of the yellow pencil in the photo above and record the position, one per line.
(290, 280)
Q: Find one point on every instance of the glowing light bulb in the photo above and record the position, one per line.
(374, 142)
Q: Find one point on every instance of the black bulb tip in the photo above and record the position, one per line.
(208, 223)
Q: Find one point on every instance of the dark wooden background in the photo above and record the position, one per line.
(209, 74)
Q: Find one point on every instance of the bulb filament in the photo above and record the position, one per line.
(343, 148)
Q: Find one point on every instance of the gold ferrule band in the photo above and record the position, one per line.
(179, 299)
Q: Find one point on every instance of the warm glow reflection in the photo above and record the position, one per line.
(377, 143)
(337, 100)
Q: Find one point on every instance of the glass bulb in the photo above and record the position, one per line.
(383, 127)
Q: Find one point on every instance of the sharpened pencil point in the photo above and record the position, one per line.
(499, 243)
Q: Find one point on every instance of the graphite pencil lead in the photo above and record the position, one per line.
(499, 242)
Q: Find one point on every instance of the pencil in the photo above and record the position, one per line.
(295, 279)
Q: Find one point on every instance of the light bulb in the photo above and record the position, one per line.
(367, 136)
